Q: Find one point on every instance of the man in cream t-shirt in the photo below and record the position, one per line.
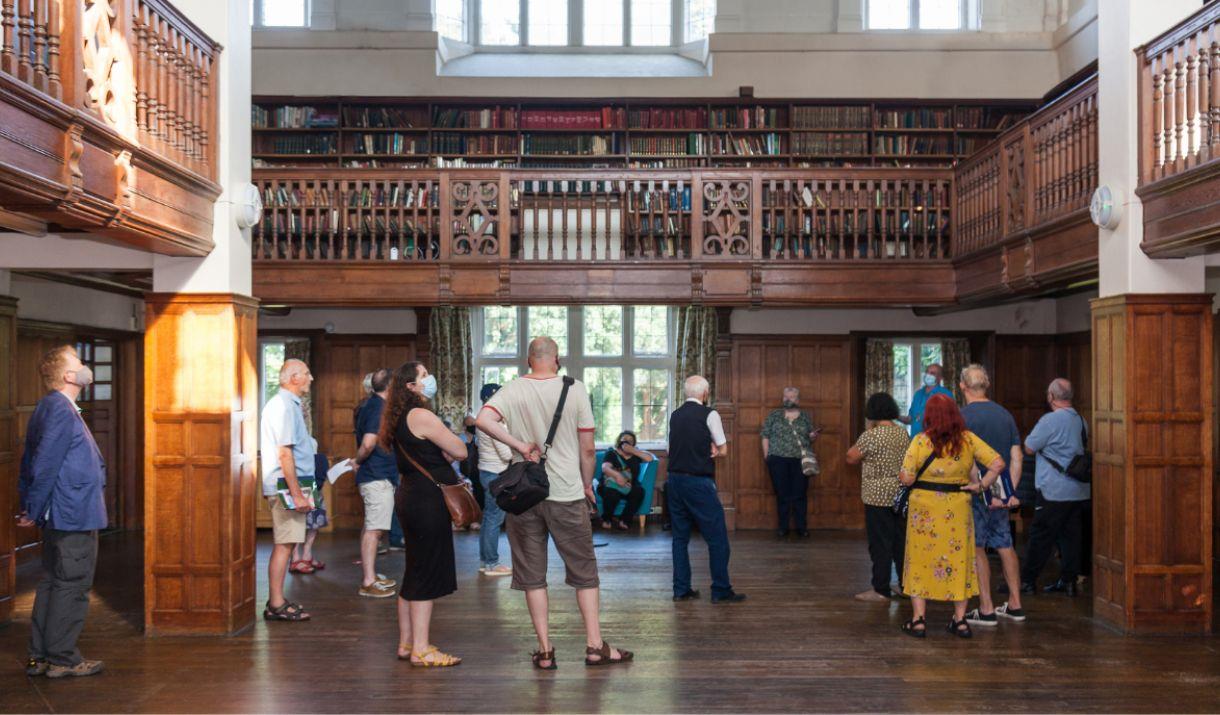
(520, 415)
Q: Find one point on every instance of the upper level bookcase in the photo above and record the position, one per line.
(645, 133)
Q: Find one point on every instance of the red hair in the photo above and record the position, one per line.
(943, 424)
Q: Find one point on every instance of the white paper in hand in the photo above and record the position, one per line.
(339, 470)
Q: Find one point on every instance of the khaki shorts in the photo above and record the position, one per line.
(378, 499)
(569, 525)
(287, 526)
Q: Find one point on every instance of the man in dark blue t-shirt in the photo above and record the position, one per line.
(994, 425)
(376, 478)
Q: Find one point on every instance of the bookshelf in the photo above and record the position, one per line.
(331, 132)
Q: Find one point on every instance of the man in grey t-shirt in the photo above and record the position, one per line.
(1056, 440)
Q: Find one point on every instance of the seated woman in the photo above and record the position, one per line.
(620, 480)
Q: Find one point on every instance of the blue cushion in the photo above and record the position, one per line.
(647, 480)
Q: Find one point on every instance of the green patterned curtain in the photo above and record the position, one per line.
(695, 347)
(298, 349)
(878, 366)
(955, 353)
(452, 356)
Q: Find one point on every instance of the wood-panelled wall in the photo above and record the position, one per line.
(1024, 365)
(201, 405)
(8, 456)
(821, 368)
(1152, 483)
(339, 368)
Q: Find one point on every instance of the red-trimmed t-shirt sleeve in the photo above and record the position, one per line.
(584, 409)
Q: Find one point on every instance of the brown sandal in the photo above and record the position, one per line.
(538, 656)
(624, 656)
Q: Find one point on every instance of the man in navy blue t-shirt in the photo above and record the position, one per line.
(376, 478)
(994, 425)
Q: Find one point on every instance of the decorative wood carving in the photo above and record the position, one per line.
(124, 184)
(74, 148)
(726, 216)
(475, 215)
(109, 84)
(1015, 161)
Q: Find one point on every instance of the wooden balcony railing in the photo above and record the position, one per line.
(1180, 97)
(1038, 172)
(497, 215)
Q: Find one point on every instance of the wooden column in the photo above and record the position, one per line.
(723, 392)
(200, 416)
(8, 457)
(1152, 479)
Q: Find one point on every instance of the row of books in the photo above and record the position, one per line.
(328, 222)
(912, 145)
(671, 200)
(666, 164)
(745, 118)
(489, 118)
(659, 226)
(384, 117)
(915, 119)
(985, 118)
(762, 144)
(830, 143)
(832, 118)
(419, 163)
(389, 144)
(441, 162)
(659, 118)
(578, 145)
(882, 224)
(670, 145)
(604, 118)
(297, 144)
(293, 118)
(443, 143)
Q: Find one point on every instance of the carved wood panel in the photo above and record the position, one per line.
(726, 217)
(476, 208)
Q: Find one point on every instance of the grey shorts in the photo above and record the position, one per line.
(569, 525)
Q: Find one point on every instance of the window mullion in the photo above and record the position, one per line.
(915, 15)
(626, 38)
(676, 24)
(576, 22)
(523, 18)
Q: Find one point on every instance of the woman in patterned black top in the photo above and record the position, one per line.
(786, 434)
(880, 451)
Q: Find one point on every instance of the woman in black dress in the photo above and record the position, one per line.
(414, 434)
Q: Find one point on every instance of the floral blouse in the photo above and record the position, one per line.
(787, 441)
(883, 448)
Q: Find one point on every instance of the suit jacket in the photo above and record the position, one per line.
(63, 477)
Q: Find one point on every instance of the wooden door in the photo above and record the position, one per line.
(342, 363)
(821, 368)
(1026, 364)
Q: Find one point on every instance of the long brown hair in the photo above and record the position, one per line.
(943, 424)
(402, 400)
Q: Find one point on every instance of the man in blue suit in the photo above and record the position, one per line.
(61, 485)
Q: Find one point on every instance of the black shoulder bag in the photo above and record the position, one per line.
(1081, 466)
(903, 497)
(525, 484)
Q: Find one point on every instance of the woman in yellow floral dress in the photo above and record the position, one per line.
(939, 562)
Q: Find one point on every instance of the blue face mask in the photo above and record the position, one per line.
(929, 379)
(428, 385)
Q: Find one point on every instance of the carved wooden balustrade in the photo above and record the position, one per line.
(661, 231)
(1179, 135)
(107, 122)
(1021, 202)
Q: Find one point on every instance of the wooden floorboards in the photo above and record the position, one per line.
(799, 644)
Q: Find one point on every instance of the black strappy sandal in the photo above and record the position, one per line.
(961, 628)
(538, 656)
(910, 628)
(288, 611)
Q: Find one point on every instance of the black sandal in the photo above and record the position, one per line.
(910, 629)
(961, 628)
(538, 656)
(288, 611)
(603, 655)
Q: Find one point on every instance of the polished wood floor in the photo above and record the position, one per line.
(800, 643)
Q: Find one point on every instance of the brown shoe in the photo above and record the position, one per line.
(81, 669)
(376, 589)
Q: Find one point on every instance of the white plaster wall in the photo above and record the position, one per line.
(1026, 318)
(61, 303)
(368, 321)
(1076, 39)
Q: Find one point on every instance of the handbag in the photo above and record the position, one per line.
(459, 500)
(612, 484)
(903, 498)
(809, 461)
(525, 484)
(1081, 466)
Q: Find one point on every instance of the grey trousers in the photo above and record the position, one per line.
(62, 598)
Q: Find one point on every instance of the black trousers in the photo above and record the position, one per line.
(1055, 523)
(612, 498)
(61, 600)
(791, 491)
(887, 540)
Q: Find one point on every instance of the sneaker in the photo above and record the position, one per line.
(81, 669)
(36, 666)
(730, 597)
(1012, 614)
(498, 570)
(385, 582)
(382, 550)
(978, 618)
(396, 547)
(376, 590)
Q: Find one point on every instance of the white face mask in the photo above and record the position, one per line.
(929, 380)
(428, 387)
(82, 377)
